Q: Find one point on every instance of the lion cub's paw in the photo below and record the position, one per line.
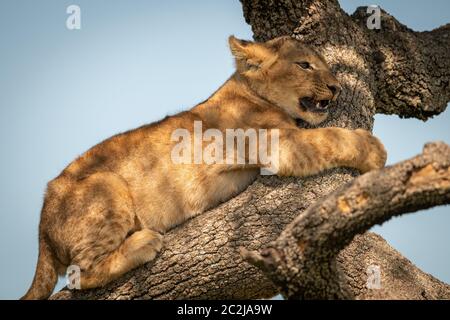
(374, 154)
(142, 246)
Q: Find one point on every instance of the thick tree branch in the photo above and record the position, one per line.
(201, 258)
(270, 19)
(410, 70)
(399, 278)
(302, 260)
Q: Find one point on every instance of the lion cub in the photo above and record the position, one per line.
(107, 211)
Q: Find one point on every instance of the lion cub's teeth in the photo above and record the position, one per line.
(318, 105)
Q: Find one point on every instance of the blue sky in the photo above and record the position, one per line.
(133, 62)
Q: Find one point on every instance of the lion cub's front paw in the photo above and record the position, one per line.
(373, 153)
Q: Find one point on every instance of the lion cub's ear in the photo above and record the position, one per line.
(250, 56)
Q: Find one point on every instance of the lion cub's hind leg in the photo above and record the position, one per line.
(101, 230)
(139, 248)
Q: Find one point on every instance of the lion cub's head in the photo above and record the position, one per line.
(289, 74)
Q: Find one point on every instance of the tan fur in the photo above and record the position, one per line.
(107, 210)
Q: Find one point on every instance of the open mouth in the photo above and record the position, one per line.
(314, 105)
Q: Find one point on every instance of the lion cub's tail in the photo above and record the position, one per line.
(46, 274)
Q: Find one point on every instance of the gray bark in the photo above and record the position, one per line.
(393, 70)
(303, 262)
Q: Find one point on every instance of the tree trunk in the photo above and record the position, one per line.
(393, 70)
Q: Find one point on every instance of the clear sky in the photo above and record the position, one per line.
(132, 63)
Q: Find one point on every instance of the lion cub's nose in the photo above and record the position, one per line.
(335, 89)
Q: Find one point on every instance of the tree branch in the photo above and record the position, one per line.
(302, 261)
(201, 259)
(410, 71)
(412, 68)
(270, 19)
(400, 278)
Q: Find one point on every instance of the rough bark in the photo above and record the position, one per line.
(303, 262)
(393, 70)
(408, 72)
(400, 279)
(201, 258)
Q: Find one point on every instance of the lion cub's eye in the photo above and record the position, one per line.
(304, 65)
